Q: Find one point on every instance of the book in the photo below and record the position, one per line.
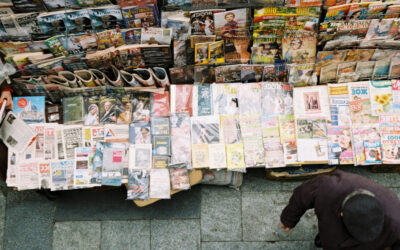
(62, 175)
(160, 126)
(73, 110)
(161, 161)
(30, 108)
(160, 104)
(83, 167)
(381, 97)
(140, 156)
(181, 99)
(141, 107)
(161, 145)
(106, 17)
(139, 133)
(159, 184)
(179, 176)
(235, 156)
(200, 157)
(205, 129)
(138, 185)
(273, 150)
(217, 156)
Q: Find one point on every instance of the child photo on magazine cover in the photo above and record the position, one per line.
(241, 53)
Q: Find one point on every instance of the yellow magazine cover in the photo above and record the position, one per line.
(201, 53)
(200, 158)
(216, 52)
(235, 156)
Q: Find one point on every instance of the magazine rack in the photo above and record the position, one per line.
(195, 177)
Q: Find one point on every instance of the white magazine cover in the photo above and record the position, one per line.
(311, 101)
(217, 156)
(249, 97)
(225, 100)
(140, 156)
(160, 184)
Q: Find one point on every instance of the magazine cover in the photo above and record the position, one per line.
(339, 145)
(138, 185)
(62, 175)
(301, 75)
(325, 58)
(201, 53)
(73, 109)
(365, 69)
(77, 21)
(30, 108)
(72, 137)
(277, 98)
(235, 156)
(161, 145)
(228, 74)
(249, 96)
(83, 167)
(140, 156)
(376, 10)
(195, 39)
(359, 136)
(107, 107)
(299, 49)
(181, 99)
(216, 52)
(141, 107)
(132, 36)
(138, 16)
(27, 175)
(179, 21)
(379, 29)
(161, 161)
(394, 71)
(311, 101)
(139, 133)
(106, 17)
(328, 73)
(52, 23)
(179, 176)
(200, 156)
(202, 22)
(160, 126)
(346, 72)
(381, 97)
(372, 151)
(225, 101)
(339, 105)
(265, 53)
(230, 129)
(312, 141)
(382, 69)
(160, 104)
(231, 23)
(202, 100)
(287, 133)
(237, 49)
(337, 12)
(396, 96)
(154, 35)
(124, 109)
(251, 73)
(273, 150)
(205, 129)
(159, 184)
(360, 104)
(217, 156)
(389, 127)
(250, 127)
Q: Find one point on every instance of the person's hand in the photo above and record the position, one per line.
(287, 229)
(6, 95)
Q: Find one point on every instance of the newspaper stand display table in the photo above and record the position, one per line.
(195, 177)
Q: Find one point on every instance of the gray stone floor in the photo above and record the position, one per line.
(205, 217)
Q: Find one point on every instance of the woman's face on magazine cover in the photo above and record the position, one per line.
(241, 45)
(296, 44)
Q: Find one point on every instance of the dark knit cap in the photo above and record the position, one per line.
(363, 215)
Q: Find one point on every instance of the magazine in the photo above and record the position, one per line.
(273, 150)
(235, 156)
(237, 49)
(73, 109)
(72, 138)
(179, 21)
(265, 53)
(230, 129)
(394, 71)
(201, 53)
(202, 22)
(83, 167)
(379, 29)
(360, 135)
(159, 184)
(30, 108)
(139, 133)
(52, 23)
(382, 69)
(311, 101)
(228, 74)
(160, 104)
(360, 104)
(181, 99)
(138, 185)
(216, 52)
(231, 23)
(161, 145)
(287, 133)
(396, 96)
(251, 73)
(277, 98)
(299, 49)
(365, 69)
(312, 141)
(217, 156)
(27, 175)
(106, 17)
(62, 175)
(301, 75)
(140, 156)
(158, 36)
(137, 16)
(205, 129)
(339, 145)
(200, 156)
(249, 97)
(339, 105)
(181, 150)
(329, 73)
(132, 36)
(113, 164)
(381, 97)
(250, 127)
(160, 126)
(225, 101)
(141, 107)
(77, 21)
(179, 176)
(389, 127)
(202, 100)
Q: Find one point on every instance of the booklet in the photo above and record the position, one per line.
(160, 184)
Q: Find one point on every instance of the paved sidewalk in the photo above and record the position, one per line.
(205, 217)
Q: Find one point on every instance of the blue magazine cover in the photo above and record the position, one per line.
(31, 109)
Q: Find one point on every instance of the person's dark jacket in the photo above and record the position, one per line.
(325, 193)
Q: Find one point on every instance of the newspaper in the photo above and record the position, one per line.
(12, 169)
(83, 167)
(44, 174)
(62, 175)
(27, 175)
(312, 141)
(39, 142)
(50, 145)
(16, 134)
(72, 138)
(92, 135)
(159, 184)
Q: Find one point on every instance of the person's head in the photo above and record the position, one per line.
(128, 106)
(107, 106)
(144, 130)
(274, 48)
(241, 45)
(93, 109)
(208, 18)
(362, 215)
(356, 15)
(296, 43)
(229, 17)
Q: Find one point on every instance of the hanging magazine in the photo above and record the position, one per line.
(277, 98)
(287, 133)
(249, 97)
(202, 100)
(230, 129)
(138, 185)
(381, 97)
(225, 101)
(312, 141)
(181, 99)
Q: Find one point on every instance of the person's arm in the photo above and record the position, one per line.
(302, 199)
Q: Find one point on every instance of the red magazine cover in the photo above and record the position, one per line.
(181, 99)
(160, 105)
